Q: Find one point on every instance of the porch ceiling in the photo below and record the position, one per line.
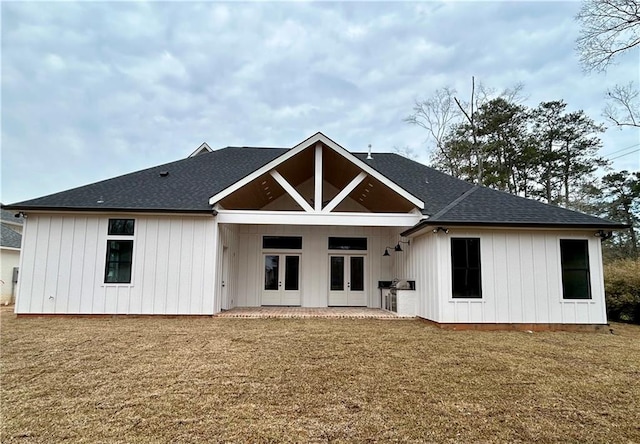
(265, 193)
(255, 195)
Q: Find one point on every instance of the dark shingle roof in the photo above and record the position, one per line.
(187, 188)
(192, 181)
(488, 207)
(434, 188)
(9, 238)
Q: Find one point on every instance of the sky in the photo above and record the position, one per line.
(93, 90)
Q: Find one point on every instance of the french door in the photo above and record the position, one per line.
(281, 284)
(346, 281)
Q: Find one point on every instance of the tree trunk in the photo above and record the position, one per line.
(629, 220)
(548, 181)
(566, 175)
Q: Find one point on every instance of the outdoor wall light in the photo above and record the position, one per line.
(398, 247)
(386, 251)
(443, 229)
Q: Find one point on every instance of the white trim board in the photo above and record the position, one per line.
(258, 217)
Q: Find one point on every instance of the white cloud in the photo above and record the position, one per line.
(54, 62)
(107, 88)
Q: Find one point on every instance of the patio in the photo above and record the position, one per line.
(304, 312)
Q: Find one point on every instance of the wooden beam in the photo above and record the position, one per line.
(318, 179)
(260, 217)
(345, 192)
(292, 191)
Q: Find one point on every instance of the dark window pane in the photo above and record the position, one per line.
(574, 256)
(465, 268)
(271, 270)
(573, 253)
(473, 253)
(348, 243)
(337, 273)
(459, 253)
(466, 283)
(282, 242)
(292, 273)
(575, 284)
(118, 263)
(121, 227)
(357, 273)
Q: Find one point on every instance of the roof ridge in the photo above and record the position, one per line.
(455, 202)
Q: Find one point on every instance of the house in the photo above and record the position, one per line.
(10, 241)
(313, 226)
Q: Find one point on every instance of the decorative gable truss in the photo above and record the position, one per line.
(317, 182)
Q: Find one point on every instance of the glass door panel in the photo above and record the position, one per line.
(271, 272)
(337, 273)
(292, 273)
(357, 273)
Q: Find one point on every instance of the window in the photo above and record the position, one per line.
(574, 257)
(119, 255)
(122, 227)
(282, 242)
(465, 267)
(119, 251)
(348, 243)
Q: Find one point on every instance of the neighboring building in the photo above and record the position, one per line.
(10, 240)
(308, 226)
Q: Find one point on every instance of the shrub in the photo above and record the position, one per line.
(622, 289)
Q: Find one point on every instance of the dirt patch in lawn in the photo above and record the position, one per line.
(312, 380)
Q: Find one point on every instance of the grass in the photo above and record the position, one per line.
(312, 380)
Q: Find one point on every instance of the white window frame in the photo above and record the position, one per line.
(117, 237)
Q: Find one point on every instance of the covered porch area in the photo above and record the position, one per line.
(309, 229)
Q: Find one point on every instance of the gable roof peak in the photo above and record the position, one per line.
(309, 143)
(202, 149)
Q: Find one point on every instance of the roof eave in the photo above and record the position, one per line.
(497, 224)
(19, 207)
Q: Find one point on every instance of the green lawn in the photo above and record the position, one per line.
(319, 380)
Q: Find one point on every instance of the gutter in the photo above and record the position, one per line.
(106, 209)
(487, 224)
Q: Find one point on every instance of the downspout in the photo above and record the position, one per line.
(216, 254)
(20, 262)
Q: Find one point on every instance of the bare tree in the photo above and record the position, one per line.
(609, 28)
(470, 116)
(405, 151)
(623, 105)
(436, 114)
(486, 94)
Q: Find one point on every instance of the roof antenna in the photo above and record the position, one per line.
(369, 154)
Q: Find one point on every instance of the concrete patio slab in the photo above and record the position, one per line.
(303, 312)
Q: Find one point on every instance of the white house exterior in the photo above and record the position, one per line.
(308, 226)
(10, 241)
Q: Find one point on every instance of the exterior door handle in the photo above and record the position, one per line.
(223, 283)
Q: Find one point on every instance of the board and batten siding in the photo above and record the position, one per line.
(63, 266)
(521, 278)
(227, 266)
(417, 262)
(314, 264)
